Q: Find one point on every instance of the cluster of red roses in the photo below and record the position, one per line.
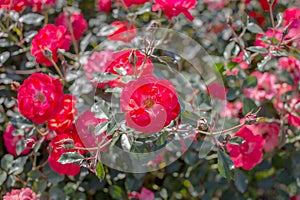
(269, 87)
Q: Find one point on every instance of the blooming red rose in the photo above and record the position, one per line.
(76, 20)
(104, 5)
(57, 149)
(16, 5)
(123, 31)
(292, 65)
(48, 40)
(129, 3)
(216, 90)
(39, 5)
(40, 97)
(248, 154)
(270, 133)
(266, 6)
(11, 141)
(149, 103)
(20, 194)
(83, 125)
(173, 8)
(63, 120)
(107, 61)
(266, 87)
(145, 194)
(98, 62)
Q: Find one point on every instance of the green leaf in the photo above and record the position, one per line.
(250, 82)
(225, 164)
(21, 145)
(120, 70)
(257, 49)
(248, 105)
(189, 118)
(262, 63)
(236, 140)
(18, 165)
(100, 128)
(70, 157)
(233, 93)
(104, 77)
(7, 161)
(4, 57)
(85, 42)
(100, 109)
(3, 176)
(100, 171)
(114, 90)
(285, 76)
(254, 28)
(31, 18)
(116, 192)
(240, 181)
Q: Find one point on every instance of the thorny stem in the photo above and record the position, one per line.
(57, 68)
(73, 37)
(271, 13)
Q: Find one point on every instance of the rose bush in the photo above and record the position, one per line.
(92, 91)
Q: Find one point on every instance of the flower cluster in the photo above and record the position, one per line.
(22, 194)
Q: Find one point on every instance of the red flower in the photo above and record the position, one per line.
(149, 103)
(248, 154)
(39, 5)
(129, 3)
(107, 61)
(216, 90)
(62, 122)
(104, 5)
(292, 65)
(40, 97)
(266, 6)
(291, 17)
(16, 5)
(57, 149)
(240, 59)
(266, 87)
(83, 125)
(145, 194)
(11, 141)
(48, 40)
(78, 23)
(270, 133)
(98, 62)
(173, 8)
(22, 194)
(123, 32)
(232, 109)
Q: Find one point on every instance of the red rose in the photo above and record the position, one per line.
(98, 62)
(16, 5)
(292, 65)
(107, 61)
(173, 8)
(57, 149)
(83, 125)
(124, 32)
(39, 5)
(266, 87)
(11, 141)
(145, 194)
(104, 5)
(40, 97)
(149, 103)
(78, 23)
(270, 133)
(129, 3)
(248, 154)
(22, 194)
(62, 122)
(48, 40)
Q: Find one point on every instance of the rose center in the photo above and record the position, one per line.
(148, 103)
(39, 96)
